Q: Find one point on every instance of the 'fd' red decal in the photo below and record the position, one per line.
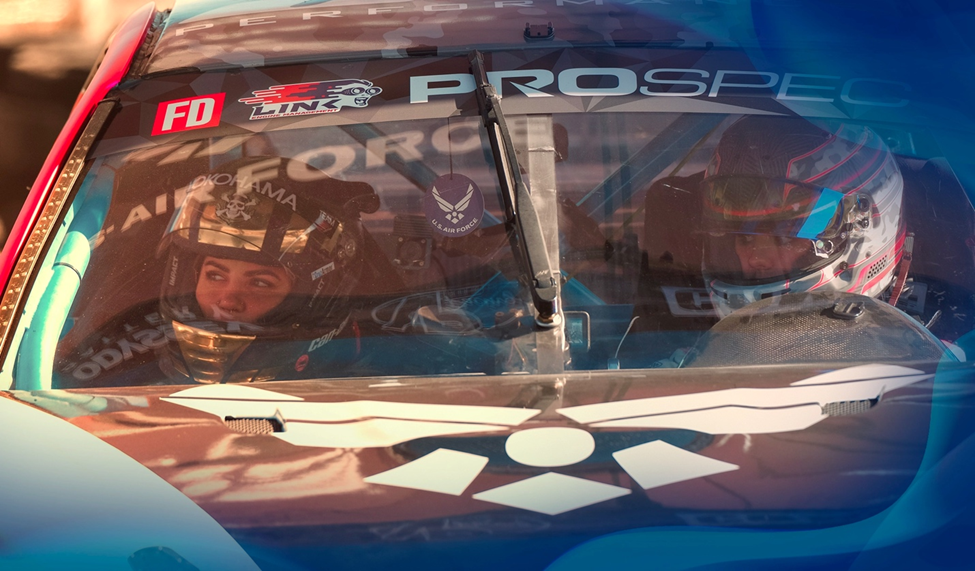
(186, 114)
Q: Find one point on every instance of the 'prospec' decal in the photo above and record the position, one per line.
(668, 82)
(310, 98)
(186, 114)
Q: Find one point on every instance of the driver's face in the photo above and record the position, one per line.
(232, 290)
(768, 256)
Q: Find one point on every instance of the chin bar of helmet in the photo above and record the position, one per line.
(208, 356)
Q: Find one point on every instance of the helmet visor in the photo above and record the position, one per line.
(243, 222)
(759, 259)
(775, 207)
(765, 230)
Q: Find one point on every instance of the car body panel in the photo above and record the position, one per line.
(253, 484)
(102, 512)
(326, 493)
(194, 36)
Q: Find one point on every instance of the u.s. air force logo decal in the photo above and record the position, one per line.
(550, 449)
(454, 205)
(310, 98)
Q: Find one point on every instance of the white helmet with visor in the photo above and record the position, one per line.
(790, 207)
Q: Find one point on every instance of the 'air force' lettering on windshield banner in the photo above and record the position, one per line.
(310, 98)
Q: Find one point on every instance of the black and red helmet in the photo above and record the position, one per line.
(264, 212)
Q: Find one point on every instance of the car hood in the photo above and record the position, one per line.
(299, 470)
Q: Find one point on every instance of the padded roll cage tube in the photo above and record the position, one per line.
(528, 242)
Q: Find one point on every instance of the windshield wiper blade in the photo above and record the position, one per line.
(528, 242)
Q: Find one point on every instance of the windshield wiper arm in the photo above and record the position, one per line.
(528, 242)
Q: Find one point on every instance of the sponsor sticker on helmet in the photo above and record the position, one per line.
(311, 98)
(454, 205)
(187, 114)
(236, 206)
(322, 271)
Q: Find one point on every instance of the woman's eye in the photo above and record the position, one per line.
(215, 277)
(262, 284)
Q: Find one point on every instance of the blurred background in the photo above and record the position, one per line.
(47, 48)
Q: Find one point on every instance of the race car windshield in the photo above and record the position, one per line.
(329, 227)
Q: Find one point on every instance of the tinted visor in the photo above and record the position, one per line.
(776, 207)
(248, 225)
(762, 230)
(758, 259)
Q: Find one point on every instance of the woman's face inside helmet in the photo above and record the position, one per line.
(790, 206)
(250, 244)
(764, 257)
(763, 230)
(241, 291)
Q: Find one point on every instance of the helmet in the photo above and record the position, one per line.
(791, 207)
(256, 259)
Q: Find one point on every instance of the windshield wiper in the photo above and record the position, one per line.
(527, 241)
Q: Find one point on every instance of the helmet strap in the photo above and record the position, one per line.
(902, 269)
